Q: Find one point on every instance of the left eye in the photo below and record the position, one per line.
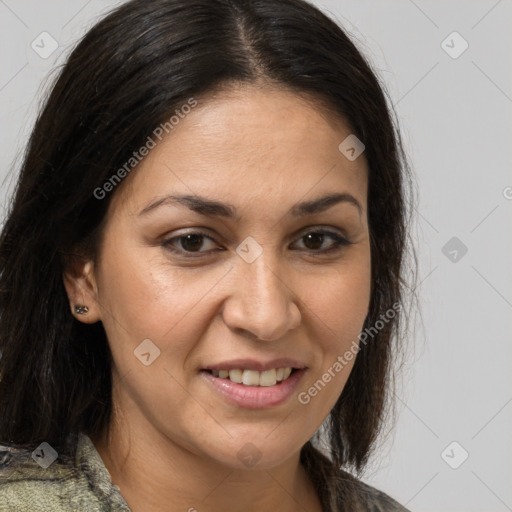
(190, 242)
(315, 238)
(313, 241)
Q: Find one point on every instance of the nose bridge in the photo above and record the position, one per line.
(266, 286)
(261, 303)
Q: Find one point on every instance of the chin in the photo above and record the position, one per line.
(254, 455)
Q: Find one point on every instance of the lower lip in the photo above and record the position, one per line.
(255, 397)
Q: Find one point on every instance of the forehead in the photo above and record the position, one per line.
(248, 144)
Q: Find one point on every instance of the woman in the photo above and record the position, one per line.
(201, 266)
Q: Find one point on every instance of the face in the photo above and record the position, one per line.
(220, 262)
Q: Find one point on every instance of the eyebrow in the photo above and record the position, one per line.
(209, 207)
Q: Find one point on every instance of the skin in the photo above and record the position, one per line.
(173, 441)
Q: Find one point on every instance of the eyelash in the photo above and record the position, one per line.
(339, 243)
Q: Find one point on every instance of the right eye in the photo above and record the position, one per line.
(190, 243)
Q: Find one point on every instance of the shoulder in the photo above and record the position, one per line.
(43, 480)
(371, 499)
(377, 501)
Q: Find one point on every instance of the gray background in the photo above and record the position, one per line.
(455, 115)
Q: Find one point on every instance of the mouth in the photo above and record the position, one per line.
(252, 385)
(266, 378)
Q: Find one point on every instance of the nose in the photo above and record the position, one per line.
(261, 304)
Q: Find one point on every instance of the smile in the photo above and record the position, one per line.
(253, 377)
(252, 389)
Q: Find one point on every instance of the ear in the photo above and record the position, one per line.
(80, 282)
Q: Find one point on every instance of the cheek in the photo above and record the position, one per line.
(339, 307)
(147, 298)
(341, 299)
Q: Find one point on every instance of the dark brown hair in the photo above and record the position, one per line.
(124, 78)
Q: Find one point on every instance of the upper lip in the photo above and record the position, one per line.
(253, 364)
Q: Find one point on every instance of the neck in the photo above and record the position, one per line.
(155, 473)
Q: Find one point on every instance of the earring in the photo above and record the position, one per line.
(81, 310)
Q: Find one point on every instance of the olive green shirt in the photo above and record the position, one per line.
(82, 484)
(44, 481)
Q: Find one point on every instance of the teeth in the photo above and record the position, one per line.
(268, 378)
(235, 376)
(253, 377)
